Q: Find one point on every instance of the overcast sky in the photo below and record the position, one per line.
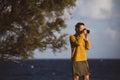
(102, 17)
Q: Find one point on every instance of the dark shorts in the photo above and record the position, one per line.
(80, 68)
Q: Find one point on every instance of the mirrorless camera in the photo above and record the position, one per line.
(88, 31)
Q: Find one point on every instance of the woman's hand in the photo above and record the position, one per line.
(86, 34)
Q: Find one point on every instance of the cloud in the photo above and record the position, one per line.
(113, 36)
(96, 9)
(111, 33)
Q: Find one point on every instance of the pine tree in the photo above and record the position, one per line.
(26, 25)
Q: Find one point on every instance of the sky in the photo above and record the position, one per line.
(102, 18)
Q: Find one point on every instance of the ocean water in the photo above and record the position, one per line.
(57, 70)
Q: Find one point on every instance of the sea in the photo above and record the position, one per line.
(57, 69)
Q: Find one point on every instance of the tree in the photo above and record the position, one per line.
(26, 25)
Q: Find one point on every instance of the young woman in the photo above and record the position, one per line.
(79, 44)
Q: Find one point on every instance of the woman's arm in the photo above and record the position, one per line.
(74, 41)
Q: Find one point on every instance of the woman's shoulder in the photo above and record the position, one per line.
(72, 36)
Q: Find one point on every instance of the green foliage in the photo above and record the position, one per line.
(26, 25)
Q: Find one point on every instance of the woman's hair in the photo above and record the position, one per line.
(78, 25)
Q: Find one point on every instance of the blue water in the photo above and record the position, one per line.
(57, 70)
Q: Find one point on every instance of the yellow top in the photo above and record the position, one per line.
(78, 48)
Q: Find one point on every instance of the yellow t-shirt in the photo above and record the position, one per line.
(78, 48)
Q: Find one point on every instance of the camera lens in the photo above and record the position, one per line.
(88, 31)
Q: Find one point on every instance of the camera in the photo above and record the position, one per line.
(88, 31)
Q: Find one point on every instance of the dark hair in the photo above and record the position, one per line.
(78, 25)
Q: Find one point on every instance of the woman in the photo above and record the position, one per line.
(79, 44)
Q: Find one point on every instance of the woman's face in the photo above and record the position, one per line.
(81, 28)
